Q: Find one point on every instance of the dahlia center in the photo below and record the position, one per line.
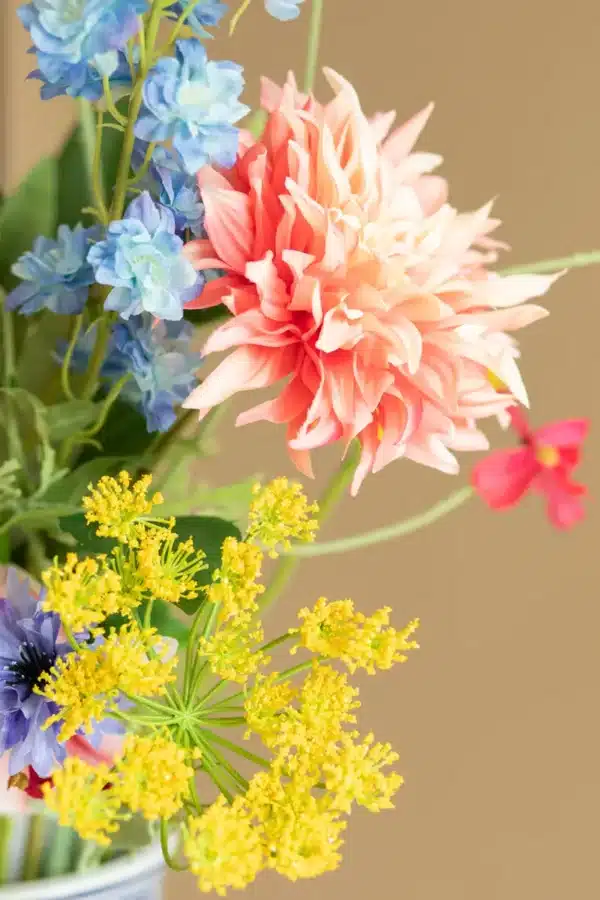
(548, 456)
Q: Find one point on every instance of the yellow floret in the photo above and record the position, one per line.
(167, 570)
(116, 505)
(280, 513)
(86, 685)
(152, 776)
(336, 630)
(224, 847)
(232, 651)
(84, 592)
(352, 772)
(234, 585)
(81, 799)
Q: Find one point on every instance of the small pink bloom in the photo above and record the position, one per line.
(349, 275)
(544, 463)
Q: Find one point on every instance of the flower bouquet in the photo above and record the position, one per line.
(145, 703)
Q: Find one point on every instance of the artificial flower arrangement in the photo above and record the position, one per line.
(319, 251)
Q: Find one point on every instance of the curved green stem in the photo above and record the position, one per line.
(164, 844)
(575, 261)
(110, 103)
(314, 38)
(98, 355)
(235, 748)
(388, 532)
(65, 374)
(334, 490)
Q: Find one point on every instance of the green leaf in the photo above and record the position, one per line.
(207, 316)
(207, 532)
(230, 502)
(29, 212)
(71, 488)
(67, 418)
(164, 619)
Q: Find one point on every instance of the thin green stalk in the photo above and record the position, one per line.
(192, 663)
(58, 859)
(210, 771)
(91, 141)
(143, 169)
(282, 676)
(179, 24)
(201, 704)
(35, 845)
(334, 490)
(110, 103)
(314, 38)
(236, 777)
(235, 748)
(222, 721)
(65, 371)
(8, 346)
(388, 532)
(84, 437)
(90, 856)
(6, 827)
(103, 332)
(288, 636)
(164, 843)
(575, 261)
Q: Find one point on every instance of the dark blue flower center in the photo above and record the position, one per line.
(32, 664)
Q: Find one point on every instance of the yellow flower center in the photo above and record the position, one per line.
(548, 456)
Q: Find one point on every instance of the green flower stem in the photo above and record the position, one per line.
(575, 261)
(71, 638)
(235, 777)
(288, 636)
(209, 768)
(8, 345)
(147, 42)
(194, 668)
(214, 689)
(35, 845)
(287, 673)
(222, 722)
(334, 490)
(178, 26)
(91, 142)
(164, 843)
(58, 861)
(85, 437)
(110, 103)
(65, 375)
(314, 38)
(235, 748)
(103, 325)
(143, 169)
(6, 827)
(388, 532)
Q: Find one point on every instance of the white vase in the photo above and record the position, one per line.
(136, 877)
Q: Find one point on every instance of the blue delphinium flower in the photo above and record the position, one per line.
(160, 360)
(55, 274)
(29, 646)
(284, 10)
(174, 188)
(206, 14)
(82, 79)
(194, 103)
(141, 257)
(64, 31)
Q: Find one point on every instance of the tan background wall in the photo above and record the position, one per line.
(496, 717)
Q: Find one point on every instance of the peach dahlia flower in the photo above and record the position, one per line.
(348, 274)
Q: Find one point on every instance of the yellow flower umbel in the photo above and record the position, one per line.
(87, 685)
(116, 506)
(164, 569)
(337, 631)
(352, 772)
(84, 592)
(234, 586)
(233, 652)
(152, 777)
(224, 847)
(81, 800)
(280, 513)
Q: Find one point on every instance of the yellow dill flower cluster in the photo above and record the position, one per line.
(87, 684)
(166, 570)
(233, 652)
(337, 631)
(84, 592)
(223, 846)
(234, 584)
(280, 513)
(352, 772)
(152, 777)
(79, 796)
(116, 505)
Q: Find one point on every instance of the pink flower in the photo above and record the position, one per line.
(348, 274)
(544, 463)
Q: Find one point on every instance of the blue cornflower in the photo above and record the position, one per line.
(80, 30)
(284, 10)
(206, 13)
(29, 646)
(160, 360)
(194, 103)
(82, 79)
(55, 274)
(174, 188)
(141, 257)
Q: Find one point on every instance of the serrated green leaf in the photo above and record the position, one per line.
(29, 212)
(67, 418)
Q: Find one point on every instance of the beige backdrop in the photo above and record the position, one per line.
(496, 717)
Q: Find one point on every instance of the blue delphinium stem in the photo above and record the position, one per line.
(65, 378)
(314, 38)
(91, 139)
